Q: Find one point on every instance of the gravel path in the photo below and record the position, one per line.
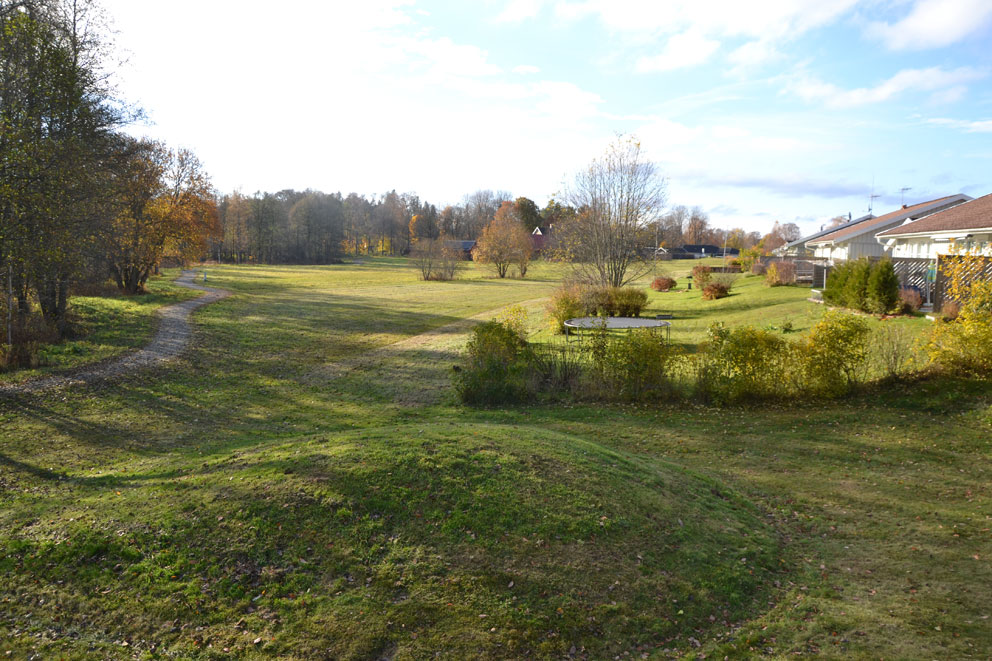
(173, 336)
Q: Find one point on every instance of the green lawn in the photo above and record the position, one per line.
(302, 484)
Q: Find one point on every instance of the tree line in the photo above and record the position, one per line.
(313, 227)
(80, 200)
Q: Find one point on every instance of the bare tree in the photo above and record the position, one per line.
(697, 228)
(619, 196)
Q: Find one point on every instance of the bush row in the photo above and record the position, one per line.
(574, 300)
(864, 285)
(733, 366)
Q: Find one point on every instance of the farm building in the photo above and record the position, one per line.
(856, 240)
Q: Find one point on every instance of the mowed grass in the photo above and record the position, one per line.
(302, 485)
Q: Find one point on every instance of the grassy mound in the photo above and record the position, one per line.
(473, 540)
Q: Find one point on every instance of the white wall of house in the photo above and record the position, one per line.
(939, 244)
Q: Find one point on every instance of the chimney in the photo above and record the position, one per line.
(905, 206)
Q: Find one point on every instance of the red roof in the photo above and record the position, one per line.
(888, 219)
(972, 215)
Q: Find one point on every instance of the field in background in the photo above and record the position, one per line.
(303, 483)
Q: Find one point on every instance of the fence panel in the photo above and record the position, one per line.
(912, 274)
(982, 271)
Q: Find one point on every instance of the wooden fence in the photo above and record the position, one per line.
(982, 271)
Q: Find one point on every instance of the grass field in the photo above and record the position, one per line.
(302, 484)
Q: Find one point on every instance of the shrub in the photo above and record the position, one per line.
(514, 318)
(599, 301)
(892, 350)
(701, 275)
(736, 263)
(629, 301)
(833, 293)
(855, 294)
(741, 364)
(833, 356)
(21, 355)
(910, 299)
(757, 268)
(965, 343)
(496, 367)
(558, 368)
(882, 290)
(565, 303)
(715, 290)
(635, 366)
(950, 310)
(663, 283)
(780, 273)
(749, 257)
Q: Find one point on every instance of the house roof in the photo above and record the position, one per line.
(830, 230)
(701, 247)
(852, 230)
(971, 215)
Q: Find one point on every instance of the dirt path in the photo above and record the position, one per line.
(173, 336)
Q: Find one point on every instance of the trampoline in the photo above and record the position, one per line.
(617, 323)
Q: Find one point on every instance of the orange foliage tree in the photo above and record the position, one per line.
(504, 242)
(165, 203)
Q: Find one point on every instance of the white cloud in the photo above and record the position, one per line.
(753, 54)
(516, 11)
(932, 79)
(688, 49)
(934, 24)
(968, 126)
(526, 69)
(780, 19)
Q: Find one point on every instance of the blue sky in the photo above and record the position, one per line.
(756, 112)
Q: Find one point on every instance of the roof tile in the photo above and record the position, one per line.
(974, 214)
(881, 221)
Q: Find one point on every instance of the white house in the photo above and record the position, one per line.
(856, 240)
(965, 226)
(799, 248)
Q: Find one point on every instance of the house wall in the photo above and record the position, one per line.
(837, 253)
(928, 247)
(865, 246)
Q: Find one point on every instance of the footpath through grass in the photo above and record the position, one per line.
(290, 490)
(105, 327)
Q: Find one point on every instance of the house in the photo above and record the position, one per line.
(967, 225)
(540, 238)
(680, 253)
(700, 250)
(464, 248)
(798, 248)
(856, 240)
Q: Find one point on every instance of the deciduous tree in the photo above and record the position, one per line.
(504, 242)
(618, 196)
(164, 198)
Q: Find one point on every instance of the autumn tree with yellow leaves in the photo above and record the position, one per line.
(165, 201)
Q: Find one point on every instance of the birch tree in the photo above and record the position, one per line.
(618, 197)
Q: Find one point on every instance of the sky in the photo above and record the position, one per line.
(780, 110)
